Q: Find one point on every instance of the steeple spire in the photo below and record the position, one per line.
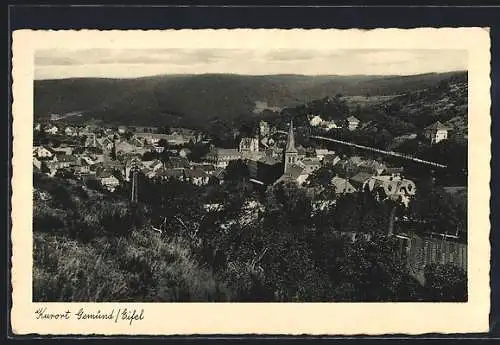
(290, 144)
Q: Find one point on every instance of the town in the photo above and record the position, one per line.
(119, 158)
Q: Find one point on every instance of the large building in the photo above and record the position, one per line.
(220, 157)
(249, 145)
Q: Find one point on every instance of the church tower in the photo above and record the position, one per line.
(291, 152)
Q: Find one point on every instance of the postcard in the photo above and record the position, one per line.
(196, 182)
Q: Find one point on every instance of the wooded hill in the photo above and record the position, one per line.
(202, 100)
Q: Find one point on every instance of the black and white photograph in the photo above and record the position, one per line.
(168, 175)
(249, 174)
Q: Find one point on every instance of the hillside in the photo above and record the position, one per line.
(187, 99)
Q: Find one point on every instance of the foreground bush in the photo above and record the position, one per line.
(143, 268)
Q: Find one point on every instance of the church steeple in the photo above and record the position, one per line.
(290, 144)
(291, 153)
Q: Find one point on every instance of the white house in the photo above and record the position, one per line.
(330, 125)
(353, 123)
(342, 185)
(315, 121)
(391, 186)
(264, 128)
(122, 129)
(184, 152)
(196, 176)
(321, 153)
(436, 132)
(51, 129)
(42, 152)
(108, 181)
(71, 131)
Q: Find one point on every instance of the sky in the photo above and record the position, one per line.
(133, 63)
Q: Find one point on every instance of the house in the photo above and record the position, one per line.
(87, 160)
(315, 121)
(71, 131)
(137, 141)
(221, 157)
(330, 159)
(184, 152)
(106, 143)
(264, 129)
(83, 168)
(61, 161)
(108, 180)
(329, 125)
(309, 165)
(150, 138)
(393, 187)
(180, 139)
(37, 163)
(436, 132)
(42, 152)
(124, 146)
(249, 145)
(208, 168)
(359, 179)
(293, 174)
(196, 176)
(88, 129)
(321, 153)
(148, 172)
(177, 163)
(171, 174)
(154, 165)
(394, 171)
(352, 123)
(122, 129)
(91, 141)
(51, 129)
(372, 166)
(158, 149)
(342, 185)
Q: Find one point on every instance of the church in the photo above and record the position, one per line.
(293, 170)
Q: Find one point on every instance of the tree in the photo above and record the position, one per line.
(198, 151)
(321, 177)
(163, 143)
(128, 135)
(165, 155)
(150, 155)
